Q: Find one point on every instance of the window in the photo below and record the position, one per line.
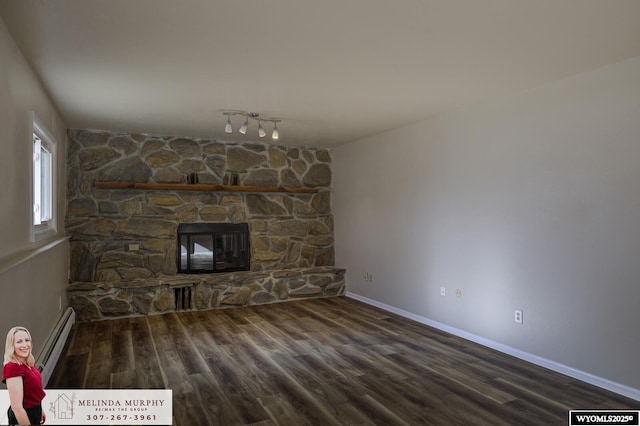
(44, 156)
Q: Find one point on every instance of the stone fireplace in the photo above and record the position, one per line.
(124, 241)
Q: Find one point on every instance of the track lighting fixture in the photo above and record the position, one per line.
(228, 128)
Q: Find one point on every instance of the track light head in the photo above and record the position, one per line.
(261, 131)
(227, 127)
(243, 128)
(275, 135)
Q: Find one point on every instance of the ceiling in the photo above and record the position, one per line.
(334, 71)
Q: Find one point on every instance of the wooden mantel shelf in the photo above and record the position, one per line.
(202, 187)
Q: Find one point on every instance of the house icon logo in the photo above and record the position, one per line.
(62, 407)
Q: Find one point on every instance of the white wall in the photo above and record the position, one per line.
(33, 276)
(529, 202)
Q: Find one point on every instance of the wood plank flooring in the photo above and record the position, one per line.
(331, 361)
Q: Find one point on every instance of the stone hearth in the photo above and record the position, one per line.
(95, 301)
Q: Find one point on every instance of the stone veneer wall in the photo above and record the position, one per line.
(289, 232)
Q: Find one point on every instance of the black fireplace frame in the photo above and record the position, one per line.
(236, 234)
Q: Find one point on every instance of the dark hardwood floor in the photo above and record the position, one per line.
(331, 361)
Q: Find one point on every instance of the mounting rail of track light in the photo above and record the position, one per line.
(228, 128)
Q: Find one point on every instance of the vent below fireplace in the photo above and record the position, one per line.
(183, 297)
(213, 247)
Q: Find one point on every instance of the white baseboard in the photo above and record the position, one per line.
(618, 388)
(52, 349)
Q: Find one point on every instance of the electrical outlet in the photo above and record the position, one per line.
(368, 277)
(134, 247)
(443, 291)
(518, 316)
(458, 292)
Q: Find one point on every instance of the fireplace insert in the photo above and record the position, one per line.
(213, 247)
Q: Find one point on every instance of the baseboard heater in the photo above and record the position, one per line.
(52, 349)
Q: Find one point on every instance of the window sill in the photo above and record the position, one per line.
(41, 233)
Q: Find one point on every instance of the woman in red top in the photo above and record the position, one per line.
(23, 379)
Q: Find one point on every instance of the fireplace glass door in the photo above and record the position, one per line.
(212, 247)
